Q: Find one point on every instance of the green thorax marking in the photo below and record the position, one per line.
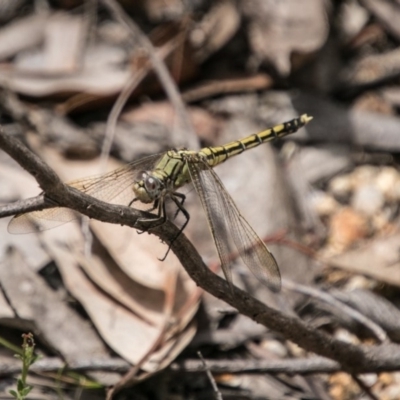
(173, 167)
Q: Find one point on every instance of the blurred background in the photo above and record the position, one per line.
(92, 85)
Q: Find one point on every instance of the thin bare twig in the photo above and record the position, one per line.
(123, 98)
(303, 366)
(55, 364)
(379, 333)
(217, 393)
(159, 68)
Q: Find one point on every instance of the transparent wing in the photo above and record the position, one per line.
(114, 187)
(226, 222)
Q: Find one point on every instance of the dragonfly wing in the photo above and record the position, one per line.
(41, 220)
(226, 222)
(113, 187)
(207, 190)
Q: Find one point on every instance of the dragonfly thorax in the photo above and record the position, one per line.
(148, 187)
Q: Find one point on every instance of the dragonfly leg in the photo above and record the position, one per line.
(132, 201)
(179, 204)
(155, 205)
(160, 217)
(182, 198)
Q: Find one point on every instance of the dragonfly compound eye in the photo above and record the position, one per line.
(151, 184)
(147, 188)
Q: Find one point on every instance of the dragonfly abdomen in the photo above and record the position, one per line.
(218, 154)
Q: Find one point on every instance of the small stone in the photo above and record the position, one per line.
(396, 377)
(295, 350)
(387, 378)
(359, 282)
(363, 175)
(396, 192)
(391, 393)
(346, 227)
(275, 347)
(352, 19)
(342, 386)
(369, 379)
(380, 221)
(368, 199)
(387, 181)
(341, 187)
(323, 203)
(345, 336)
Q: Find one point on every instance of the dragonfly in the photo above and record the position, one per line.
(157, 178)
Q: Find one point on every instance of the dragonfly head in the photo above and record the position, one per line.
(147, 188)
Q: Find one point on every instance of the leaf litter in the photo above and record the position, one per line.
(225, 61)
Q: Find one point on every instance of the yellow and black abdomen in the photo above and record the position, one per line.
(218, 154)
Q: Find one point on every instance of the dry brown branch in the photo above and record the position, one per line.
(23, 206)
(301, 366)
(354, 359)
(55, 364)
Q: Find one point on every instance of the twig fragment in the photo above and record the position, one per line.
(217, 393)
(379, 333)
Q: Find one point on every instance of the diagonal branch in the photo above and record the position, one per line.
(62, 195)
(355, 359)
(23, 206)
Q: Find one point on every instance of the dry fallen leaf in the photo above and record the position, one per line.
(377, 258)
(21, 34)
(63, 42)
(56, 60)
(215, 29)
(17, 183)
(204, 123)
(45, 311)
(279, 29)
